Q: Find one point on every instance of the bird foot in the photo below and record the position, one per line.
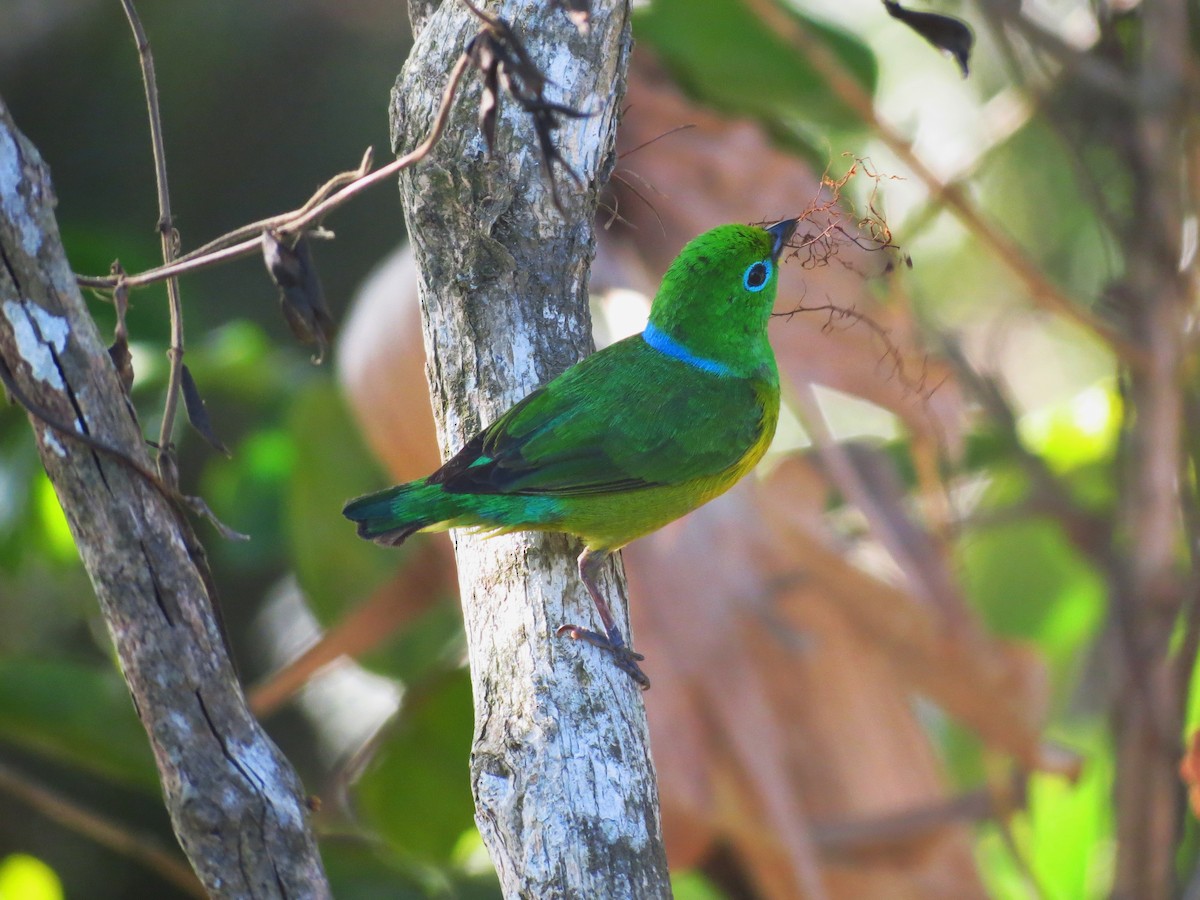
(623, 655)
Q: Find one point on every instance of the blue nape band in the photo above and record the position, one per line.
(664, 343)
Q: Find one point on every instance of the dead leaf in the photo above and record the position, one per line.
(197, 412)
(946, 33)
(301, 297)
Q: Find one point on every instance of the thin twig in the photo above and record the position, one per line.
(892, 354)
(116, 836)
(904, 539)
(1090, 534)
(1042, 291)
(625, 154)
(915, 825)
(232, 245)
(254, 230)
(170, 244)
(169, 492)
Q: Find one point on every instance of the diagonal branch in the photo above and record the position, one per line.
(235, 802)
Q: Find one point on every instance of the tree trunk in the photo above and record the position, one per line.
(234, 800)
(565, 792)
(1149, 708)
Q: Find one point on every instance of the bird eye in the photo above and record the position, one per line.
(756, 275)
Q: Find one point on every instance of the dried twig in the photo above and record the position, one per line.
(170, 246)
(170, 492)
(339, 190)
(892, 354)
(116, 836)
(504, 63)
(502, 59)
(828, 213)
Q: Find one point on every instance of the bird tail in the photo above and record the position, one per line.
(389, 516)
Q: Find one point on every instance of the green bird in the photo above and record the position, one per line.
(629, 439)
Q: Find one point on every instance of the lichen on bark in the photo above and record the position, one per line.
(566, 798)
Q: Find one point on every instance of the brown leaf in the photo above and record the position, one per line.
(500, 56)
(118, 352)
(122, 360)
(301, 296)
(779, 691)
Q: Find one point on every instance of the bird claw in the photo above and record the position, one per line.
(624, 656)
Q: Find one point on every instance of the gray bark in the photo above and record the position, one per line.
(565, 792)
(236, 805)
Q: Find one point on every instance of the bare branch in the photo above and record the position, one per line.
(548, 712)
(340, 189)
(234, 800)
(170, 246)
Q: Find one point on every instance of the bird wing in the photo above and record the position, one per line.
(626, 418)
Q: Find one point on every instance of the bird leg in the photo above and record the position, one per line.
(612, 640)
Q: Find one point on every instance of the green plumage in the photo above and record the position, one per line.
(635, 435)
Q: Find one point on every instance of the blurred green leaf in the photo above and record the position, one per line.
(239, 358)
(417, 792)
(1045, 210)
(694, 886)
(430, 643)
(58, 542)
(334, 565)
(24, 877)
(248, 492)
(1082, 430)
(1065, 835)
(1070, 826)
(19, 468)
(726, 56)
(1030, 583)
(360, 872)
(78, 714)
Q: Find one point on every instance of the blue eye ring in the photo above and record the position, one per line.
(757, 275)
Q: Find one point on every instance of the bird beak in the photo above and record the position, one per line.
(782, 232)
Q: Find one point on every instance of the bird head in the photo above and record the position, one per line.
(716, 298)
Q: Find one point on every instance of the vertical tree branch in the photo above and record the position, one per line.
(235, 803)
(1148, 714)
(565, 792)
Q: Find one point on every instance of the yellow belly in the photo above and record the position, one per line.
(610, 522)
